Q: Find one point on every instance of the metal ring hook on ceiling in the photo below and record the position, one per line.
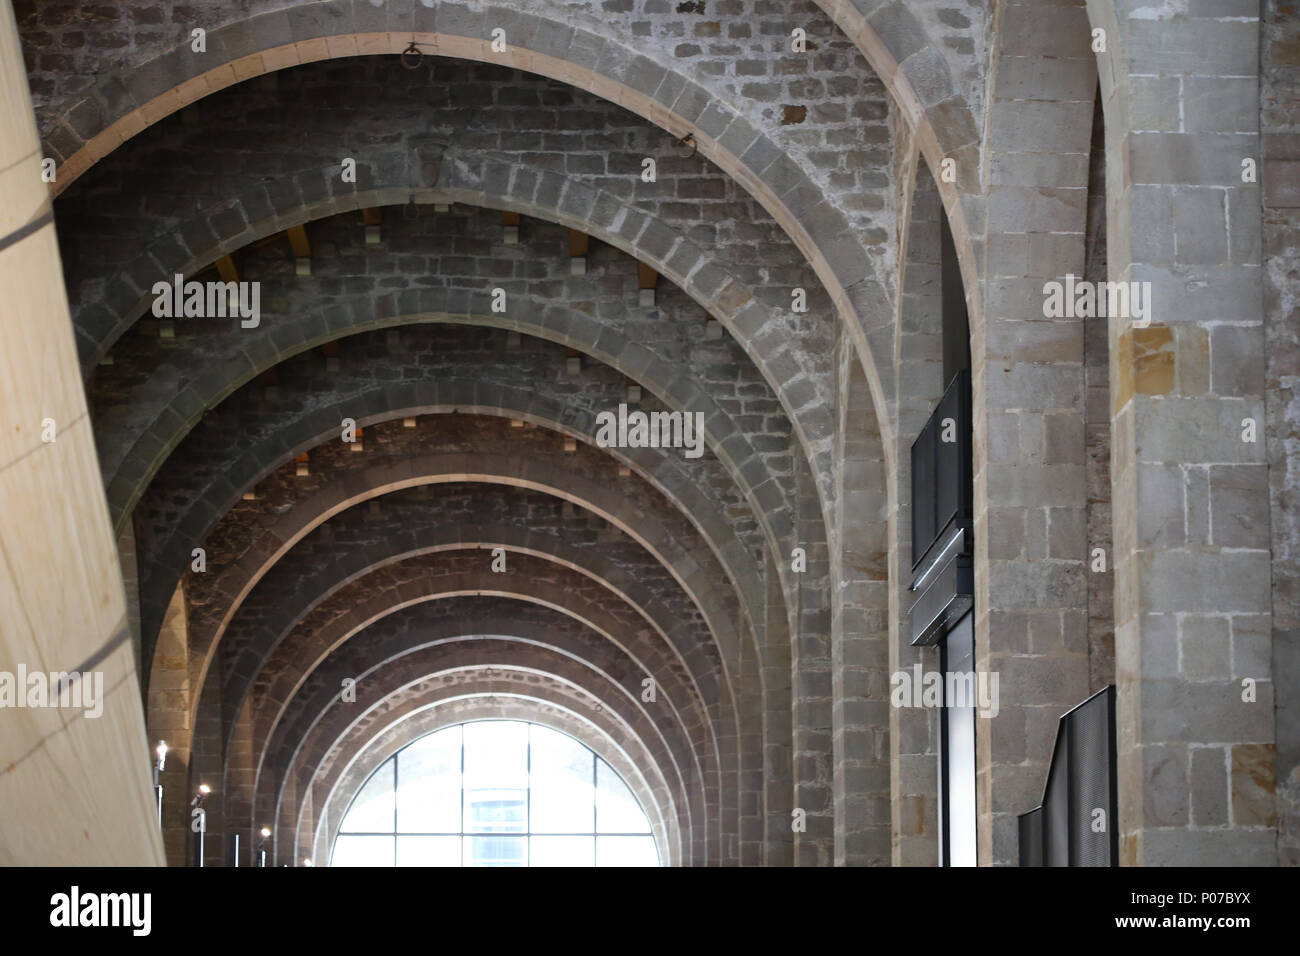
(419, 57)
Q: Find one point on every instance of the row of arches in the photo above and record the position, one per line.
(774, 680)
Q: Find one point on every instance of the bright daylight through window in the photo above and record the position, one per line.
(495, 793)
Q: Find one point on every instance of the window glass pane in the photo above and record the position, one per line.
(961, 786)
(959, 755)
(428, 851)
(496, 851)
(616, 809)
(363, 851)
(428, 784)
(562, 794)
(496, 777)
(525, 797)
(626, 851)
(372, 810)
(561, 851)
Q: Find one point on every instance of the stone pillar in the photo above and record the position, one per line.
(1189, 472)
(860, 626)
(75, 783)
(169, 720)
(778, 730)
(810, 648)
(918, 351)
(1031, 593)
(1280, 180)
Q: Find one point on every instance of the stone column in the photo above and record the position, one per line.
(1031, 589)
(1189, 472)
(75, 782)
(860, 626)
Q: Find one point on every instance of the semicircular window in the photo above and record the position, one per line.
(495, 793)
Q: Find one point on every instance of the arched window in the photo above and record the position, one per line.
(495, 793)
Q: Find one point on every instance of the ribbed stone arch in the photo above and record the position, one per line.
(650, 622)
(536, 189)
(527, 545)
(336, 654)
(168, 409)
(230, 465)
(901, 45)
(760, 327)
(308, 648)
(379, 404)
(226, 586)
(669, 552)
(713, 828)
(570, 48)
(902, 42)
(255, 640)
(355, 488)
(402, 630)
(349, 765)
(720, 614)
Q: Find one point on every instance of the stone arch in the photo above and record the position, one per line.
(356, 489)
(308, 648)
(325, 650)
(900, 42)
(309, 430)
(712, 603)
(209, 710)
(135, 457)
(759, 328)
(410, 673)
(817, 477)
(403, 629)
(466, 539)
(527, 703)
(578, 55)
(256, 642)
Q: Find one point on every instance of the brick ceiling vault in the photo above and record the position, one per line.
(226, 438)
(500, 272)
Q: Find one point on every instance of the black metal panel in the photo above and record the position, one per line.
(1056, 803)
(924, 530)
(949, 593)
(1076, 824)
(942, 541)
(941, 471)
(953, 457)
(1091, 779)
(1031, 837)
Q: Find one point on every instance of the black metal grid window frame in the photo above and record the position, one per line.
(527, 833)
